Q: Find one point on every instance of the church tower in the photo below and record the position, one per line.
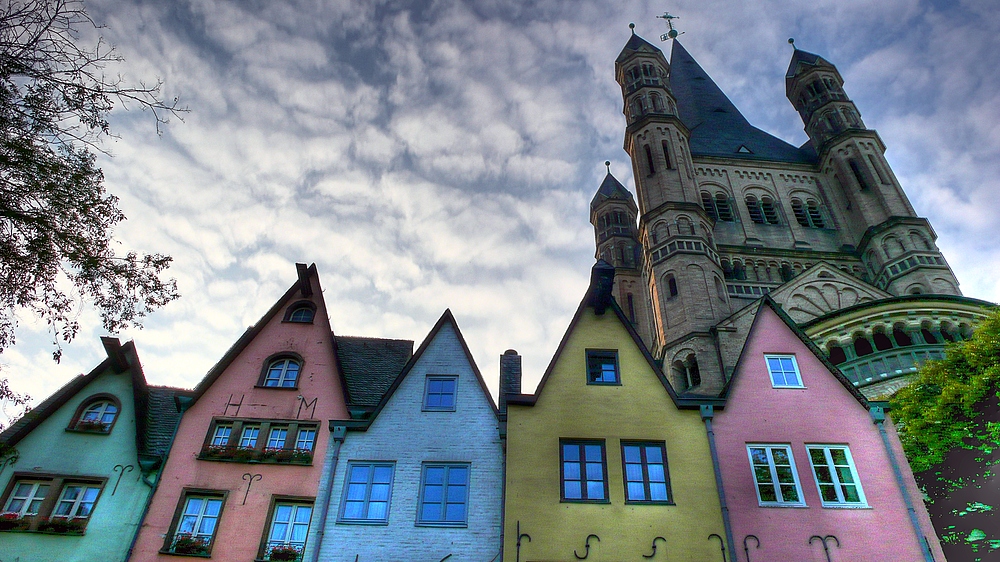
(896, 246)
(681, 269)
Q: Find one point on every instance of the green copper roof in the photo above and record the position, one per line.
(717, 126)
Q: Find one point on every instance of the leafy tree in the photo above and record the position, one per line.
(56, 219)
(949, 424)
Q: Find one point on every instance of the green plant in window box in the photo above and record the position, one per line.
(244, 454)
(91, 425)
(288, 553)
(187, 544)
(217, 452)
(303, 456)
(62, 525)
(11, 521)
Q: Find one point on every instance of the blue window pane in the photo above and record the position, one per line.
(193, 506)
(431, 512)
(593, 453)
(457, 475)
(434, 475)
(595, 490)
(656, 473)
(359, 473)
(377, 510)
(571, 452)
(456, 494)
(207, 526)
(571, 471)
(380, 492)
(654, 455)
(382, 474)
(595, 471)
(283, 513)
(572, 490)
(279, 531)
(631, 453)
(187, 524)
(354, 509)
(633, 472)
(303, 514)
(432, 493)
(657, 492)
(455, 512)
(636, 491)
(356, 492)
(447, 400)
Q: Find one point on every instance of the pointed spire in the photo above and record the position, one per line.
(611, 188)
(636, 44)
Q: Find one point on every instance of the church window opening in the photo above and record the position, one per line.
(666, 155)
(739, 271)
(877, 168)
(800, 213)
(786, 272)
(837, 355)
(919, 241)
(693, 374)
(657, 103)
(671, 286)
(901, 337)
(684, 226)
(634, 77)
(862, 346)
(709, 204)
(770, 212)
(882, 341)
(722, 207)
(720, 290)
(858, 175)
(753, 207)
(649, 159)
(727, 270)
(814, 215)
(928, 336)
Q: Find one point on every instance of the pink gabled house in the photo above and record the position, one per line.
(812, 471)
(242, 475)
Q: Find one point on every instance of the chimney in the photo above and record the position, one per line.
(510, 377)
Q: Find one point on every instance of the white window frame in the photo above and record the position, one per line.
(841, 502)
(249, 436)
(277, 437)
(365, 520)
(285, 377)
(306, 439)
(98, 411)
(222, 435)
(286, 539)
(200, 516)
(28, 499)
(795, 368)
(774, 476)
(76, 503)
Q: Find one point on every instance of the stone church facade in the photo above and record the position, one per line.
(726, 213)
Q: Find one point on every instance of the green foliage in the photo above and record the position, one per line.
(942, 409)
(56, 220)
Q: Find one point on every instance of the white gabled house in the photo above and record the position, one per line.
(421, 477)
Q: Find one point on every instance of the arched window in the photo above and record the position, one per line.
(302, 312)
(928, 336)
(739, 271)
(800, 213)
(727, 270)
(693, 373)
(837, 355)
(709, 204)
(901, 337)
(671, 286)
(882, 341)
(770, 212)
(666, 155)
(660, 232)
(814, 215)
(649, 159)
(919, 242)
(862, 346)
(877, 168)
(720, 289)
(97, 415)
(753, 207)
(786, 272)
(282, 373)
(684, 226)
(680, 374)
(858, 175)
(657, 103)
(722, 206)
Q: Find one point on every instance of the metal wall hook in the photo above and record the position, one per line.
(520, 536)
(746, 548)
(654, 547)
(252, 478)
(121, 469)
(722, 545)
(586, 545)
(826, 548)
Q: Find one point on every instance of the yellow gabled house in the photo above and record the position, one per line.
(604, 460)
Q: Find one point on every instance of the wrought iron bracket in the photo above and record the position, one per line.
(520, 536)
(121, 469)
(722, 544)
(586, 545)
(252, 478)
(746, 549)
(826, 547)
(654, 547)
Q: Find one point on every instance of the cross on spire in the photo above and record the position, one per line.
(672, 34)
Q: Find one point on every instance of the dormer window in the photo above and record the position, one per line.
(96, 415)
(282, 373)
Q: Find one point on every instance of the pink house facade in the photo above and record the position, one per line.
(806, 461)
(241, 479)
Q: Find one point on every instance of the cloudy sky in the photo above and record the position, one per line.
(435, 154)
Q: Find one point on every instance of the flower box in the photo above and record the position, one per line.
(186, 544)
(93, 426)
(62, 525)
(284, 553)
(10, 521)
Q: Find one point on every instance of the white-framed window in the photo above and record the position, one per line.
(76, 500)
(103, 412)
(301, 314)
(27, 497)
(220, 438)
(306, 439)
(195, 529)
(774, 474)
(439, 393)
(277, 438)
(784, 371)
(367, 491)
(282, 373)
(289, 527)
(836, 477)
(444, 495)
(248, 440)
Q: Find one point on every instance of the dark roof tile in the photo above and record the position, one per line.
(371, 365)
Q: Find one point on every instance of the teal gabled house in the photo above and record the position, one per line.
(86, 464)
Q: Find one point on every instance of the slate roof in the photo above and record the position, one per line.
(610, 188)
(162, 417)
(717, 126)
(370, 365)
(803, 57)
(635, 44)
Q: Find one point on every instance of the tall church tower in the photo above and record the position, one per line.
(681, 270)
(896, 246)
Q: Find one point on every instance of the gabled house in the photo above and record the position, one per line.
(419, 477)
(812, 470)
(87, 460)
(604, 461)
(241, 479)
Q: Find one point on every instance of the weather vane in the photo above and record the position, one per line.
(672, 34)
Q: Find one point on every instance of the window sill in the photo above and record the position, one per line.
(190, 555)
(89, 431)
(783, 505)
(296, 387)
(35, 532)
(595, 383)
(425, 409)
(378, 523)
(447, 525)
(257, 461)
(598, 502)
(845, 506)
(634, 502)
